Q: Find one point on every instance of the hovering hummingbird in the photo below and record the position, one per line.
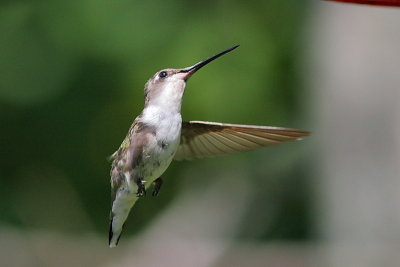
(158, 135)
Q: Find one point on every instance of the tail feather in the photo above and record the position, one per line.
(114, 236)
(110, 233)
(118, 215)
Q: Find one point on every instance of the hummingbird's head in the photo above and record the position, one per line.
(167, 86)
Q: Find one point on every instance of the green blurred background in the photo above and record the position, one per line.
(71, 82)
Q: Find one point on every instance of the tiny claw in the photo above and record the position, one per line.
(157, 186)
(141, 188)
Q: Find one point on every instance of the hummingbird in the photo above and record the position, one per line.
(158, 135)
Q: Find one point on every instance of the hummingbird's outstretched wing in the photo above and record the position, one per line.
(205, 139)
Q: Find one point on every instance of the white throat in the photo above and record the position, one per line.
(169, 97)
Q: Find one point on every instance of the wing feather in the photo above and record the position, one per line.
(210, 146)
(220, 148)
(204, 139)
(227, 145)
(237, 146)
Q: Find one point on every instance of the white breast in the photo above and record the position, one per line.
(163, 146)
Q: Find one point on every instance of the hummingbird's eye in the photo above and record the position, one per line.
(163, 74)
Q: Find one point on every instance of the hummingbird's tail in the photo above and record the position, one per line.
(113, 235)
(119, 213)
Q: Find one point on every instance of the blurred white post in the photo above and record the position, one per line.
(355, 78)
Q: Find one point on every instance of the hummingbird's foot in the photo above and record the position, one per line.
(141, 188)
(157, 186)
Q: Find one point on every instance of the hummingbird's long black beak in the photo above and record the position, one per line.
(192, 69)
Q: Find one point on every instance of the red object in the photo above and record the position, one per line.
(372, 2)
